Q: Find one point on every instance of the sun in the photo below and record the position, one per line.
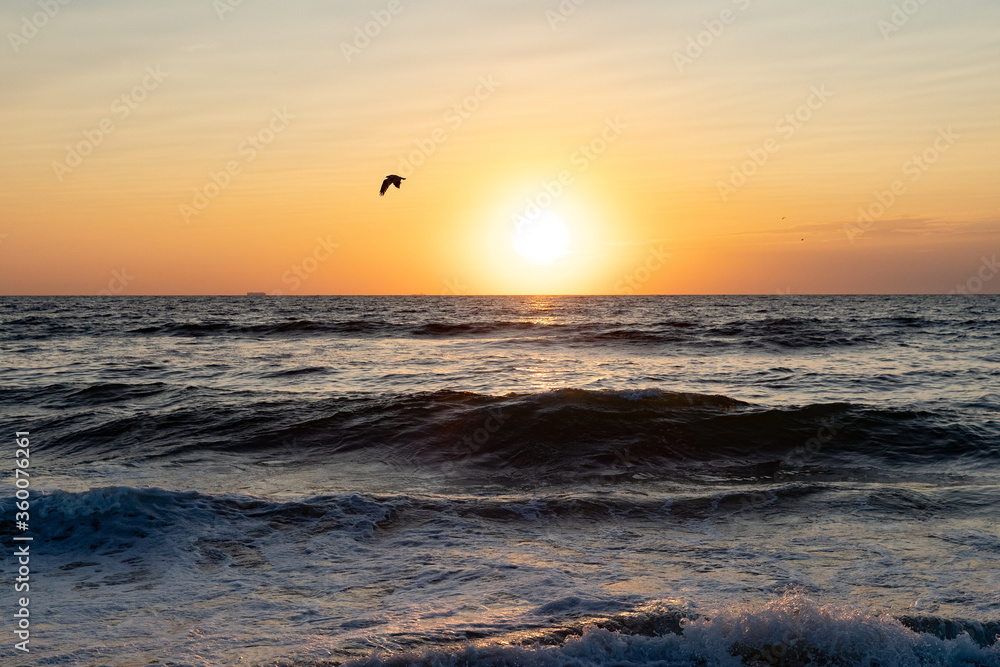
(543, 239)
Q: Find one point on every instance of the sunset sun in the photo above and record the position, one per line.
(541, 240)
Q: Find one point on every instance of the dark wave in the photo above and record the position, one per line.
(788, 334)
(295, 372)
(483, 328)
(294, 327)
(113, 519)
(565, 434)
(793, 333)
(113, 392)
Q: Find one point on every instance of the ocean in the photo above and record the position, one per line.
(537, 481)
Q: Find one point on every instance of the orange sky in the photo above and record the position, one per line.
(198, 147)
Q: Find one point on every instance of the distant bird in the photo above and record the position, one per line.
(391, 179)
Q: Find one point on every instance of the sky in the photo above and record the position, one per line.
(573, 147)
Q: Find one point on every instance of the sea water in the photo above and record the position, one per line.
(505, 480)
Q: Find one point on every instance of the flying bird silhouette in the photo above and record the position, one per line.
(391, 179)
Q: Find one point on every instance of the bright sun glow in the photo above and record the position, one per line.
(542, 240)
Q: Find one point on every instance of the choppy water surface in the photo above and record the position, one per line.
(529, 480)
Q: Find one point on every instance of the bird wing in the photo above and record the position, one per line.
(385, 186)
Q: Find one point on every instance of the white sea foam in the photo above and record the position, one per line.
(791, 630)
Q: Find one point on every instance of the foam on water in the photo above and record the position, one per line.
(593, 481)
(792, 630)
